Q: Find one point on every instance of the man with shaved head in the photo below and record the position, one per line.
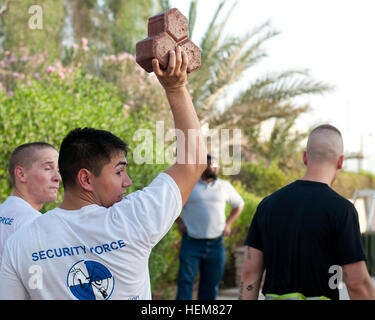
(324, 154)
(306, 236)
(35, 178)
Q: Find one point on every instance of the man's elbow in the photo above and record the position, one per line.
(361, 290)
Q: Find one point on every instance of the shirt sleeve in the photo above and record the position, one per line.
(234, 198)
(11, 287)
(348, 241)
(152, 210)
(254, 238)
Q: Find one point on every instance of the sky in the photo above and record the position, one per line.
(334, 40)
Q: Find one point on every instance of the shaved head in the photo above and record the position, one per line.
(24, 156)
(325, 144)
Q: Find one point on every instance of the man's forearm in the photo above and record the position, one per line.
(187, 122)
(182, 109)
(234, 214)
(191, 155)
(248, 290)
(251, 274)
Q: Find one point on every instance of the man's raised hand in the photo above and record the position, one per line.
(175, 76)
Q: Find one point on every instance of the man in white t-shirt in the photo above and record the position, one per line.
(203, 226)
(35, 178)
(96, 245)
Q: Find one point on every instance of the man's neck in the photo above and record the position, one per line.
(75, 200)
(319, 175)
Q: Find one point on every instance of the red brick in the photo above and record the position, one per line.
(172, 21)
(193, 53)
(165, 30)
(154, 47)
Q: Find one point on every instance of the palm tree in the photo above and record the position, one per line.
(224, 63)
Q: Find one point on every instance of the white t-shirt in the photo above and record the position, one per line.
(204, 211)
(94, 252)
(14, 213)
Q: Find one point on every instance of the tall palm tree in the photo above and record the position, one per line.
(224, 63)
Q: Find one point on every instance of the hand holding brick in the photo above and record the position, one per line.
(166, 31)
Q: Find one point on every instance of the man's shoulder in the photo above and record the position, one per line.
(18, 206)
(163, 178)
(29, 231)
(283, 191)
(335, 199)
(277, 197)
(224, 183)
(157, 185)
(159, 192)
(19, 211)
(326, 195)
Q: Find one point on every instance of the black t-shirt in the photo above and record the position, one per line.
(304, 229)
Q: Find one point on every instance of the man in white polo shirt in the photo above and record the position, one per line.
(96, 245)
(203, 227)
(34, 175)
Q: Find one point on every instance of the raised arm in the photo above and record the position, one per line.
(191, 150)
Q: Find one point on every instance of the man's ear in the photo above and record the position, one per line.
(304, 158)
(84, 178)
(340, 162)
(20, 174)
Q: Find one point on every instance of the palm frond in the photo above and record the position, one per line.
(232, 58)
(270, 96)
(207, 38)
(192, 16)
(281, 86)
(163, 5)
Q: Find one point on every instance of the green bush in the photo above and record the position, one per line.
(47, 111)
(347, 183)
(241, 225)
(164, 264)
(260, 179)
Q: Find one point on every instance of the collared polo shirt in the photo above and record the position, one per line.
(204, 211)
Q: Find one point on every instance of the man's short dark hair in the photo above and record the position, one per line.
(25, 155)
(87, 148)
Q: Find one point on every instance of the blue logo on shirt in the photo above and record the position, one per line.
(90, 280)
(6, 220)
